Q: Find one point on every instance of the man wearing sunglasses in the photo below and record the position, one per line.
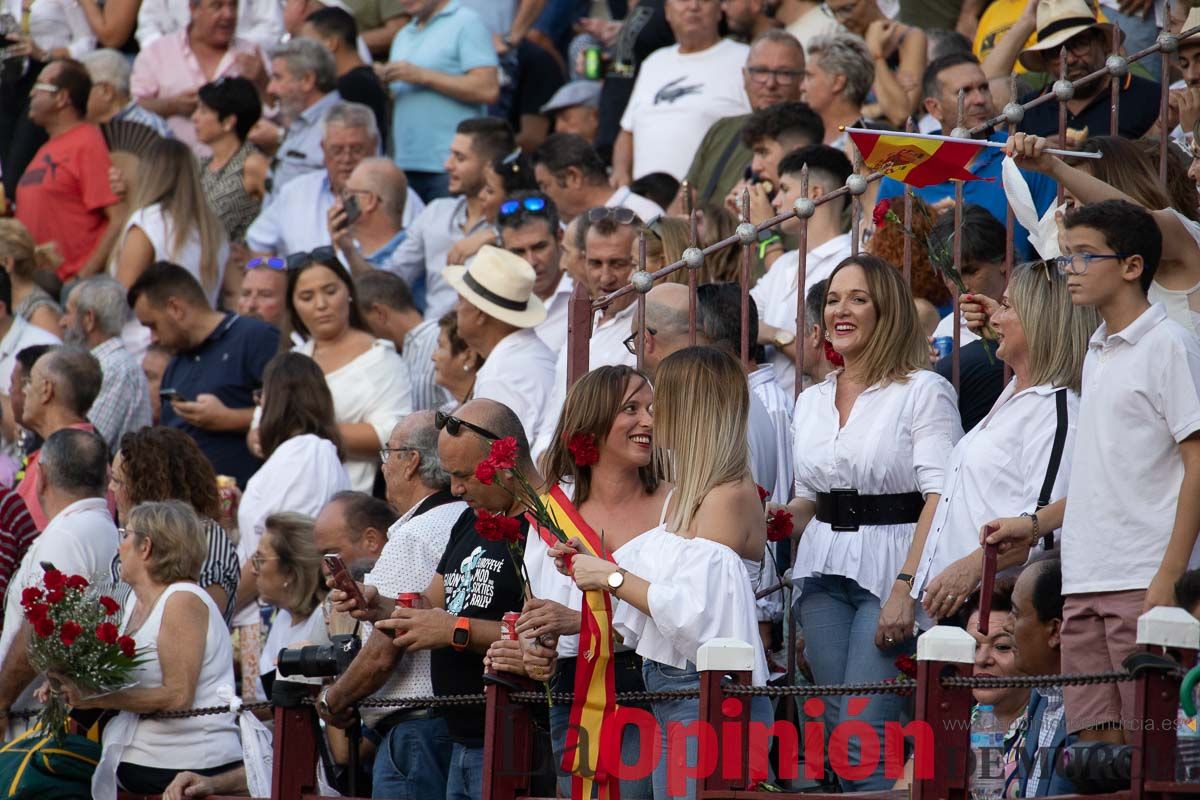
(529, 228)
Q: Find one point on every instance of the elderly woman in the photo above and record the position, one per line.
(186, 659)
(837, 81)
(454, 363)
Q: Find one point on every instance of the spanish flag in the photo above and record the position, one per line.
(917, 159)
(595, 689)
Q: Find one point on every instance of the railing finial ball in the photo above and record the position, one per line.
(856, 184)
(804, 207)
(642, 281)
(1116, 65)
(747, 233)
(961, 133)
(693, 257)
(1064, 90)
(1014, 113)
(1168, 42)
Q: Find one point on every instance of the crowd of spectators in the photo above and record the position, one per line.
(276, 274)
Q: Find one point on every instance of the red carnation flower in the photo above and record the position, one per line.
(485, 472)
(907, 665)
(36, 611)
(55, 596)
(763, 494)
(110, 606)
(30, 595)
(70, 629)
(127, 645)
(487, 525)
(107, 633)
(510, 529)
(879, 215)
(54, 579)
(77, 582)
(44, 627)
(583, 450)
(504, 453)
(833, 356)
(779, 526)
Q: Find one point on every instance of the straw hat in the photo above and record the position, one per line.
(499, 284)
(1192, 21)
(1058, 21)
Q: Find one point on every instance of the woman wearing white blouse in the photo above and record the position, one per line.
(687, 581)
(1006, 465)
(871, 442)
(368, 379)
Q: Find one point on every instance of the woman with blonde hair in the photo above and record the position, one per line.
(172, 221)
(21, 257)
(687, 580)
(1018, 458)
(870, 443)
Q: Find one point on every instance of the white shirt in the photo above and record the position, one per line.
(645, 208)
(21, 334)
(775, 296)
(997, 470)
(373, 388)
(606, 348)
(763, 442)
(553, 331)
(945, 327)
(897, 438)
(160, 230)
(1140, 399)
(422, 254)
(301, 475)
(676, 99)
(518, 373)
(778, 406)
(61, 23)
(548, 583)
(407, 563)
(287, 631)
(260, 21)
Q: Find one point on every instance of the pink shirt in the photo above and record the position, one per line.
(167, 67)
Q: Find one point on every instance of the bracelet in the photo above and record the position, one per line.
(1032, 518)
(766, 244)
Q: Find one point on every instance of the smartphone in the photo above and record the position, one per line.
(342, 580)
(172, 394)
(350, 206)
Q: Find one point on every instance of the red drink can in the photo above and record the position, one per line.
(508, 626)
(408, 599)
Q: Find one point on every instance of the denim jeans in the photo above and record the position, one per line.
(413, 760)
(839, 619)
(466, 773)
(627, 677)
(669, 713)
(429, 186)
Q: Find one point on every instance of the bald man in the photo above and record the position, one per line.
(368, 238)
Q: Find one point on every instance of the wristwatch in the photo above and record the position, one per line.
(322, 702)
(616, 579)
(783, 338)
(909, 579)
(462, 633)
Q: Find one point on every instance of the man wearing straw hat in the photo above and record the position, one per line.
(497, 312)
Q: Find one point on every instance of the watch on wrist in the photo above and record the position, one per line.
(461, 636)
(906, 578)
(783, 338)
(616, 579)
(323, 702)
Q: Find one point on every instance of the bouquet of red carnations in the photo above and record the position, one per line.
(75, 638)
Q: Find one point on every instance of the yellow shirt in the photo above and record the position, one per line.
(995, 22)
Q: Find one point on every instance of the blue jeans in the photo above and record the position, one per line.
(413, 760)
(672, 713)
(839, 619)
(429, 186)
(466, 773)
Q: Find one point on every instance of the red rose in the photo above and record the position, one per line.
(127, 645)
(36, 611)
(583, 450)
(55, 596)
(907, 665)
(879, 215)
(54, 579)
(30, 595)
(107, 632)
(763, 494)
(110, 606)
(779, 526)
(504, 453)
(77, 582)
(44, 627)
(833, 356)
(485, 472)
(70, 629)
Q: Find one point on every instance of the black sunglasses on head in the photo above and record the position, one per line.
(452, 425)
(321, 255)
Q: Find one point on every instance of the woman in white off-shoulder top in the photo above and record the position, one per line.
(871, 443)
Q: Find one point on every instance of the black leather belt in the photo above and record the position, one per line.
(847, 510)
(403, 715)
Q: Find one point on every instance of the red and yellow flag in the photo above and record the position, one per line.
(595, 689)
(917, 161)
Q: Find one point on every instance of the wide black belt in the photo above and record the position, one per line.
(403, 715)
(847, 510)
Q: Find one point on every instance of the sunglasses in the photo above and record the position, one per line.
(321, 255)
(620, 214)
(270, 262)
(534, 205)
(452, 426)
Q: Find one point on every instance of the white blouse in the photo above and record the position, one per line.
(373, 388)
(897, 438)
(997, 470)
(699, 591)
(160, 230)
(61, 23)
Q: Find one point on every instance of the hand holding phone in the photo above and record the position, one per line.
(351, 209)
(341, 580)
(172, 394)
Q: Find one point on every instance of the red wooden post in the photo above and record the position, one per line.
(724, 730)
(507, 742)
(579, 333)
(294, 763)
(941, 772)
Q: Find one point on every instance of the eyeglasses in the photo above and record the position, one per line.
(620, 214)
(270, 262)
(452, 425)
(43, 86)
(1078, 44)
(534, 205)
(385, 453)
(257, 560)
(783, 76)
(125, 533)
(352, 150)
(631, 341)
(1078, 263)
(321, 255)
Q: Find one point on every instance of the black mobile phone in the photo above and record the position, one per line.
(350, 206)
(172, 394)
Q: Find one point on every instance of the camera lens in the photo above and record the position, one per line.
(313, 661)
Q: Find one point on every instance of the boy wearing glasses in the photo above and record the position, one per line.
(1134, 499)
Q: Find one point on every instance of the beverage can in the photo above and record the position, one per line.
(593, 63)
(227, 492)
(408, 599)
(508, 626)
(944, 345)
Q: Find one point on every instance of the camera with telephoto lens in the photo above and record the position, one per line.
(319, 661)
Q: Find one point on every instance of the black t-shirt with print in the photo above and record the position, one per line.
(481, 583)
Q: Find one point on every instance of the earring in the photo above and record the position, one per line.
(466, 367)
(286, 584)
(827, 337)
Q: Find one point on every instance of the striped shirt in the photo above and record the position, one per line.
(17, 531)
(143, 116)
(123, 404)
(220, 568)
(419, 344)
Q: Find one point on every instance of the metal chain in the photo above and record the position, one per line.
(451, 700)
(209, 711)
(1033, 681)
(879, 687)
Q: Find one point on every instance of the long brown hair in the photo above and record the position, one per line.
(591, 406)
(162, 463)
(1128, 168)
(296, 401)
